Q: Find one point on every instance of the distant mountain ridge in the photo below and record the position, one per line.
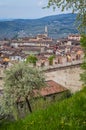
(58, 26)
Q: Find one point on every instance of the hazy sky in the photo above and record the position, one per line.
(25, 9)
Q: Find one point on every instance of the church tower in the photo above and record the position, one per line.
(46, 31)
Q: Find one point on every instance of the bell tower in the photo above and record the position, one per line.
(46, 31)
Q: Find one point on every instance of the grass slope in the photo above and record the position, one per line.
(69, 114)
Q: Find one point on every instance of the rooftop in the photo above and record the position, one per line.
(51, 88)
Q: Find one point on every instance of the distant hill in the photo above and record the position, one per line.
(58, 26)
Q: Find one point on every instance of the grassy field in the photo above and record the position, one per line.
(69, 114)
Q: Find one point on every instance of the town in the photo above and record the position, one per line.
(43, 65)
(49, 53)
(64, 50)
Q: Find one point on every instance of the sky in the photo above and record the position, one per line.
(25, 9)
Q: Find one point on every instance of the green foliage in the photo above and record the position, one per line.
(51, 59)
(70, 114)
(83, 44)
(31, 59)
(44, 102)
(19, 82)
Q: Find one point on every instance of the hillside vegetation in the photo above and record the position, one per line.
(58, 26)
(69, 114)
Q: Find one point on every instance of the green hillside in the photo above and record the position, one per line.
(58, 26)
(69, 114)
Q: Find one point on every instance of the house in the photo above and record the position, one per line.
(17, 57)
(76, 37)
(52, 90)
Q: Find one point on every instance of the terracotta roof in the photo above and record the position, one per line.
(74, 35)
(51, 88)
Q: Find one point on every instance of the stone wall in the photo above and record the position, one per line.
(1, 76)
(68, 77)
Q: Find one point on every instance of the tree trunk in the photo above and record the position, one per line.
(28, 104)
